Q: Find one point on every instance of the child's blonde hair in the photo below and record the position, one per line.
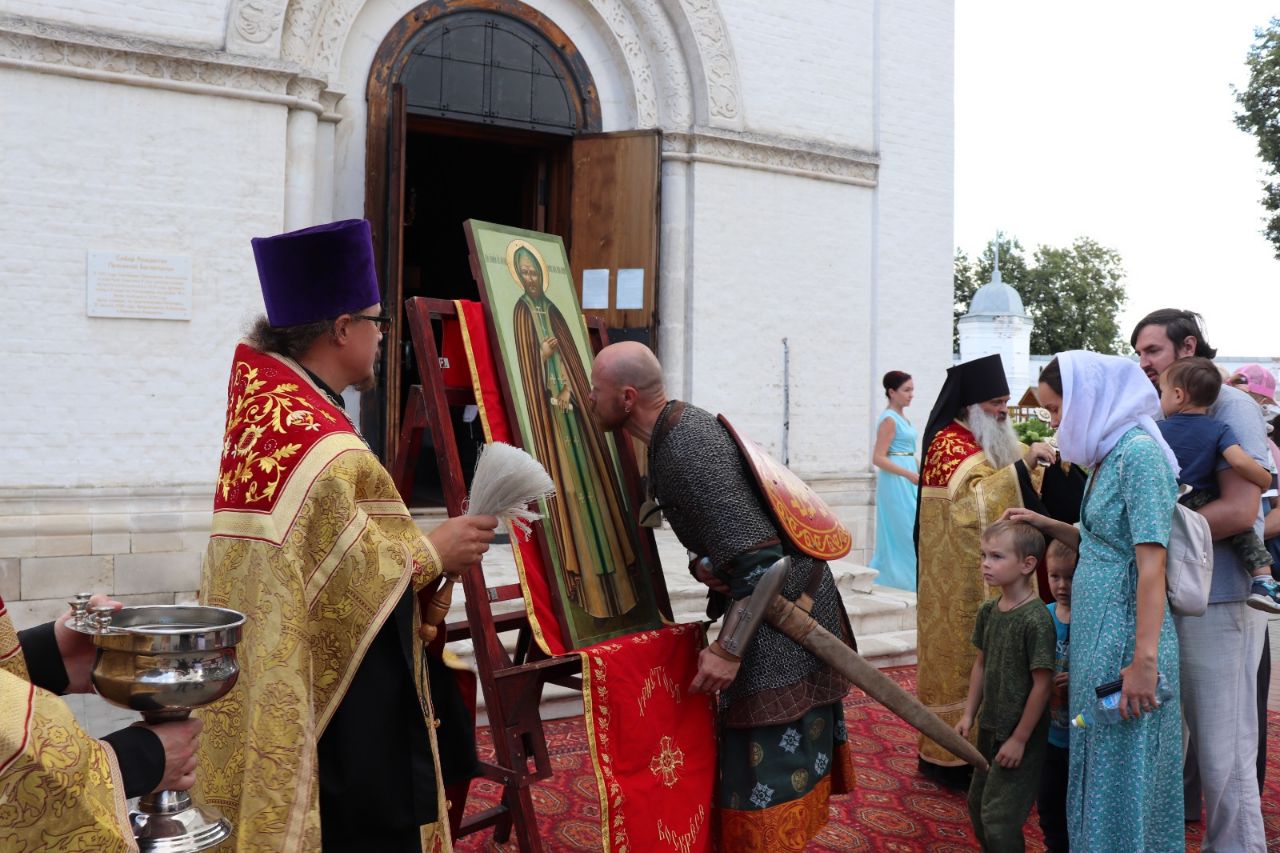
(1062, 551)
(1026, 540)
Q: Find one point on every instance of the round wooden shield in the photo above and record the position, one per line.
(802, 517)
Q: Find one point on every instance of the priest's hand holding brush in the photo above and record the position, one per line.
(460, 541)
(507, 480)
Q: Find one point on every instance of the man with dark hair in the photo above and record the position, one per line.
(1222, 650)
(1177, 332)
(329, 740)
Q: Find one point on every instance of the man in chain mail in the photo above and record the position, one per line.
(782, 749)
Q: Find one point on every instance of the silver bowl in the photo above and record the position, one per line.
(165, 660)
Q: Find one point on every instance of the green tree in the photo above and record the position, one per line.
(1260, 116)
(1073, 294)
(966, 285)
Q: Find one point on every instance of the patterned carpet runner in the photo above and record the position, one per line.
(894, 808)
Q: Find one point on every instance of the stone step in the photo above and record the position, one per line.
(852, 577)
(893, 648)
(880, 612)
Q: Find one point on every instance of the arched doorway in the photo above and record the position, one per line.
(485, 109)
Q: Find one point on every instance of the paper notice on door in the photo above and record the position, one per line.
(630, 289)
(595, 290)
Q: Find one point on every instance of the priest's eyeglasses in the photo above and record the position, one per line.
(382, 321)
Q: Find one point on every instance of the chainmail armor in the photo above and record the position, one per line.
(713, 505)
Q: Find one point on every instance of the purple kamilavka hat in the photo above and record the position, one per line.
(317, 273)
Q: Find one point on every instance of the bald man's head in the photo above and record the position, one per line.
(624, 376)
(630, 363)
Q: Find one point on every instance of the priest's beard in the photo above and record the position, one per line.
(996, 437)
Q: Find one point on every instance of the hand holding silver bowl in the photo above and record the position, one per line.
(164, 661)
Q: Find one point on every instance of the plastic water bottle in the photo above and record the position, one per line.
(1105, 709)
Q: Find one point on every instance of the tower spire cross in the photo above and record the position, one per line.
(995, 272)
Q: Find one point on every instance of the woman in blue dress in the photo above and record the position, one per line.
(1125, 783)
(896, 482)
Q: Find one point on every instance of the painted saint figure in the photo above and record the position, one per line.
(588, 519)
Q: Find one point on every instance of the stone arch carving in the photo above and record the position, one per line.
(677, 53)
(711, 61)
(254, 27)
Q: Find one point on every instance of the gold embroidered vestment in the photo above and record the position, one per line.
(311, 541)
(961, 494)
(60, 789)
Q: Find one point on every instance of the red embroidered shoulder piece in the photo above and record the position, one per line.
(952, 445)
(274, 416)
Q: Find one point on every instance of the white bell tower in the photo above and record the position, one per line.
(997, 323)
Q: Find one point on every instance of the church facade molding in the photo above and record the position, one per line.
(677, 56)
(46, 48)
(773, 153)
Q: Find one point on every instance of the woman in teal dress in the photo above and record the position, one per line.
(1125, 783)
(896, 481)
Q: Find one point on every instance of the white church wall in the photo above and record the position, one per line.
(98, 167)
(793, 261)
(1006, 336)
(794, 267)
(106, 478)
(191, 22)
(806, 68)
(913, 280)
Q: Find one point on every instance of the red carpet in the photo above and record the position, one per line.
(894, 809)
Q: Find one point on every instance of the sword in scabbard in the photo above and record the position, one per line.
(792, 619)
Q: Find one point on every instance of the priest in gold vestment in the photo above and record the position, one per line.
(340, 735)
(974, 469)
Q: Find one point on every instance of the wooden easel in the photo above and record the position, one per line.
(512, 684)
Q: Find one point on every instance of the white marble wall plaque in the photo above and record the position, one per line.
(136, 284)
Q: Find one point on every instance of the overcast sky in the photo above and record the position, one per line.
(1113, 120)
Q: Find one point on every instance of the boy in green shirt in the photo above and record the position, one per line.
(1011, 680)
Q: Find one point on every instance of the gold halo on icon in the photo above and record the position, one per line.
(512, 248)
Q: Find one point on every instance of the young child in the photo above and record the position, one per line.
(1188, 387)
(1060, 563)
(1011, 679)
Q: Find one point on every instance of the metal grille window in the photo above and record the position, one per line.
(479, 66)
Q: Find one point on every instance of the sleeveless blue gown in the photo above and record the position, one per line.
(895, 555)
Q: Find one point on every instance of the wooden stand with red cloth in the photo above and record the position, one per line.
(656, 784)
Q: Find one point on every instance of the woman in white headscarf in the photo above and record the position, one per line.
(1125, 779)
